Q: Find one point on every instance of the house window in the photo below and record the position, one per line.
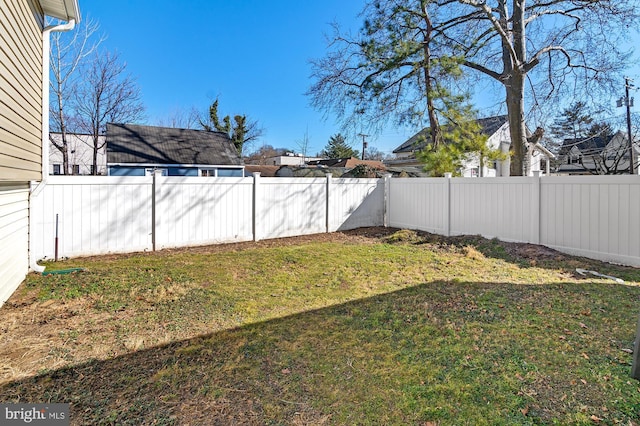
(56, 169)
(208, 172)
(76, 169)
(230, 172)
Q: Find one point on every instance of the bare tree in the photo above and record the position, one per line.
(260, 155)
(69, 50)
(556, 46)
(180, 118)
(107, 95)
(304, 144)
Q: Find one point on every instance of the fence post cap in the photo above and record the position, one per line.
(448, 175)
(256, 174)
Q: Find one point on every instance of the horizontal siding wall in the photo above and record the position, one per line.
(14, 238)
(20, 90)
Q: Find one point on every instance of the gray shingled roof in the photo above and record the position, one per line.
(131, 143)
(592, 145)
(489, 126)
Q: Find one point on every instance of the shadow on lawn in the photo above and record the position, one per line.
(439, 352)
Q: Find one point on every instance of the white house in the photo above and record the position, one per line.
(499, 137)
(599, 155)
(80, 153)
(24, 120)
(290, 159)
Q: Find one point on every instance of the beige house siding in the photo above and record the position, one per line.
(21, 24)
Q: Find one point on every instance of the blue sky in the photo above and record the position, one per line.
(253, 55)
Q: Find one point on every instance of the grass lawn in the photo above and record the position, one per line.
(374, 326)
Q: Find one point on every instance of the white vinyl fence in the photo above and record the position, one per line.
(592, 216)
(597, 217)
(106, 214)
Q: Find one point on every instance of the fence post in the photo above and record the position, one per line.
(635, 366)
(447, 204)
(256, 207)
(154, 186)
(387, 200)
(327, 206)
(534, 238)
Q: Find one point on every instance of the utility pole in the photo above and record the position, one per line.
(628, 102)
(364, 143)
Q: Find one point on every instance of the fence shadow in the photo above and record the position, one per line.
(303, 368)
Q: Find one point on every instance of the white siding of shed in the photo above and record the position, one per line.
(14, 237)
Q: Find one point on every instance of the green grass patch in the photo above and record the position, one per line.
(406, 329)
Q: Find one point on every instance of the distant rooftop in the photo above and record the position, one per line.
(417, 142)
(132, 143)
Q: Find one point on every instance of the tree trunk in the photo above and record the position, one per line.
(96, 141)
(434, 125)
(65, 158)
(515, 111)
(514, 76)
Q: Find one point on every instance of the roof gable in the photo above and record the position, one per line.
(591, 145)
(350, 162)
(129, 143)
(488, 125)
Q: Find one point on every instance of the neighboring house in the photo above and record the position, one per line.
(499, 137)
(80, 155)
(289, 160)
(339, 167)
(134, 150)
(24, 93)
(265, 171)
(348, 163)
(597, 155)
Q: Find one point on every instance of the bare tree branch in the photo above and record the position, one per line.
(107, 95)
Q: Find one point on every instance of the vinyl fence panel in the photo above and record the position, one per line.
(597, 216)
(420, 203)
(355, 203)
(592, 216)
(290, 206)
(95, 215)
(202, 210)
(493, 207)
